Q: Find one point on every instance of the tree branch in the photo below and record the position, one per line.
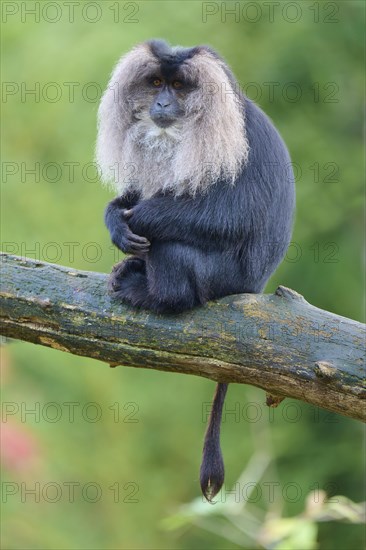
(278, 342)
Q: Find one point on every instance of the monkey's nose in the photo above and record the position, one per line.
(163, 105)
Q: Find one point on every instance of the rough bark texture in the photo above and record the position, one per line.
(278, 342)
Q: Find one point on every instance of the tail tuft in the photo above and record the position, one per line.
(212, 472)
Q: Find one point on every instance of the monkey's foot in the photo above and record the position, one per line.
(128, 283)
(120, 270)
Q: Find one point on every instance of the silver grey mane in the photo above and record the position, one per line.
(209, 143)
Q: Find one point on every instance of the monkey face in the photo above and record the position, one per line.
(168, 101)
(175, 113)
(157, 101)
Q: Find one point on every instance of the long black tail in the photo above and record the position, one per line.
(212, 468)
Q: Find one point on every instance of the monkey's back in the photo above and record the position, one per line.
(266, 195)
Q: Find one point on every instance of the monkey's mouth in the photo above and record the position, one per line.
(163, 122)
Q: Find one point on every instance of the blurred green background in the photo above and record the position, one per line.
(138, 462)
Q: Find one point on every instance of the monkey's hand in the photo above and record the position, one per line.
(166, 218)
(127, 241)
(133, 218)
(215, 219)
(121, 234)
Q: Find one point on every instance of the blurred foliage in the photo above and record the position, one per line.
(141, 472)
(243, 523)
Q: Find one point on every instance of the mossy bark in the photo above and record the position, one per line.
(278, 342)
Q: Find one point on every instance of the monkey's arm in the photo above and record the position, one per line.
(221, 215)
(121, 234)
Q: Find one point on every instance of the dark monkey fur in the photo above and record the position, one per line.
(206, 191)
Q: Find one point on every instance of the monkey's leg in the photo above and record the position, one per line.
(175, 276)
(170, 284)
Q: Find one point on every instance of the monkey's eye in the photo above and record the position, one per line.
(177, 84)
(157, 82)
